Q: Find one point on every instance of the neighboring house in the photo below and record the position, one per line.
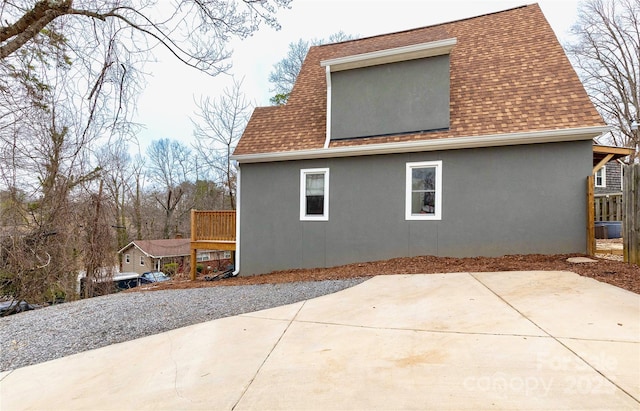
(466, 138)
(140, 256)
(608, 180)
(212, 261)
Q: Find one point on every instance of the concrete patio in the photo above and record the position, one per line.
(508, 340)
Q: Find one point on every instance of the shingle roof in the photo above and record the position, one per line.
(174, 247)
(508, 74)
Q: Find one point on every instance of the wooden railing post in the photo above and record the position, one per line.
(591, 230)
(631, 222)
(192, 260)
(193, 224)
(192, 271)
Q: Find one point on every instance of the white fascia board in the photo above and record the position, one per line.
(170, 256)
(452, 143)
(412, 52)
(125, 247)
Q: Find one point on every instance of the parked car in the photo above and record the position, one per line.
(108, 283)
(153, 277)
(14, 307)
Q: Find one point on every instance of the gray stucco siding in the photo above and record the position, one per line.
(496, 201)
(406, 96)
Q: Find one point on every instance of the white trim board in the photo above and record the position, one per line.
(451, 143)
(374, 58)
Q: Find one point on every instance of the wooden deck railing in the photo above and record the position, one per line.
(212, 230)
(213, 225)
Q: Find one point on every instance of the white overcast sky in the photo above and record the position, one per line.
(167, 102)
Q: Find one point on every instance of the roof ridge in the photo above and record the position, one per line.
(425, 27)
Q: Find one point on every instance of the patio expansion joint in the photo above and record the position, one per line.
(425, 330)
(598, 340)
(557, 339)
(266, 358)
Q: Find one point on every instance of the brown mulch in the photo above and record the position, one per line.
(617, 273)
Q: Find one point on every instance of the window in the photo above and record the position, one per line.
(202, 257)
(424, 191)
(141, 260)
(314, 194)
(601, 177)
(227, 255)
(127, 258)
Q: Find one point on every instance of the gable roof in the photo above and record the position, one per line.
(508, 75)
(173, 247)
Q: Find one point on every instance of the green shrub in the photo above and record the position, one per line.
(170, 269)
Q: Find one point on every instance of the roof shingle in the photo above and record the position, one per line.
(508, 74)
(173, 247)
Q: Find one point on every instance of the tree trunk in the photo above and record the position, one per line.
(91, 257)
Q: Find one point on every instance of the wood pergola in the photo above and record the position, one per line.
(603, 154)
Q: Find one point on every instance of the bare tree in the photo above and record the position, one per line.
(171, 163)
(69, 74)
(606, 54)
(285, 72)
(194, 31)
(219, 125)
(117, 176)
(136, 195)
(51, 111)
(98, 251)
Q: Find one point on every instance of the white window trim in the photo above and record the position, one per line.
(141, 260)
(603, 175)
(303, 199)
(438, 205)
(127, 258)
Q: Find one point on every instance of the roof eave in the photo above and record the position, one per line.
(134, 244)
(451, 143)
(125, 247)
(392, 55)
(170, 256)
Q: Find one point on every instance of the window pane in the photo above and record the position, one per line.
(423, 178)
(423, 203)
(315, 205)
(315, 185)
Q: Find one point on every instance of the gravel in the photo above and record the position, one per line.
(41, 335)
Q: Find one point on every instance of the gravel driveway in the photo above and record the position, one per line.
(41, 335)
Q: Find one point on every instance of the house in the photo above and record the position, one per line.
(607, 186)
(467, 138)
(140, 256)
(607, 168)
(213, 260)
(608, 180)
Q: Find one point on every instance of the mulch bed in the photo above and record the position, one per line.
(616, 273)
